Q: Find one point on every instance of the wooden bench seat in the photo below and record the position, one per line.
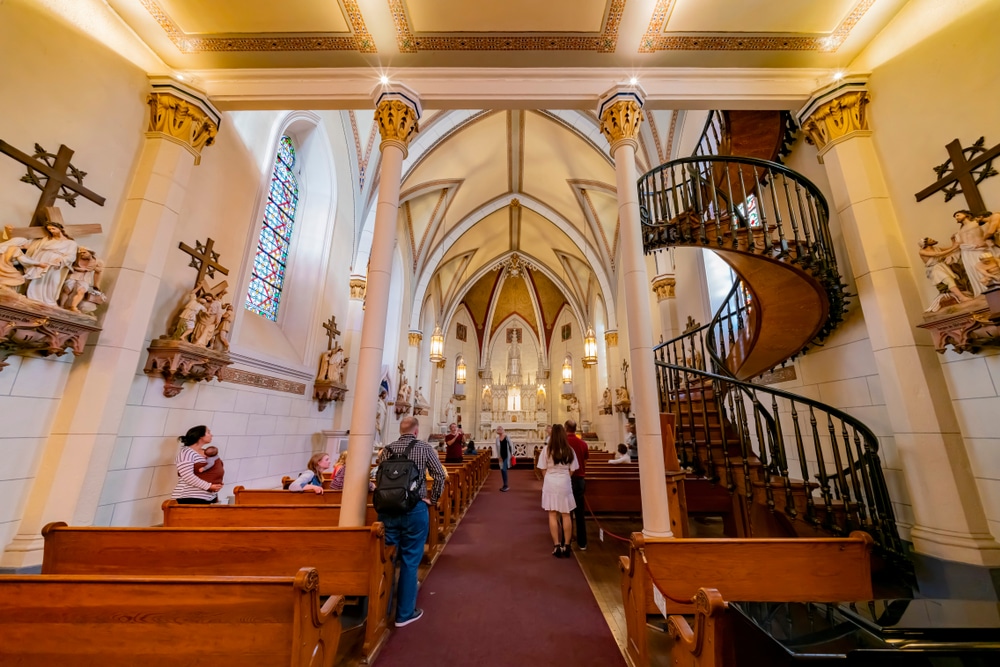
(252, 516)
(195, 621)
(760, 570)
(350, 561)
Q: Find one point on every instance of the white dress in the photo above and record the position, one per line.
(557, 490)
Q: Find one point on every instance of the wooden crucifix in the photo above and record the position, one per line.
(964, 173)
(331, 331)
(206, 260)
(56, 178)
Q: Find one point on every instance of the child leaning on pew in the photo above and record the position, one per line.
(623, 455)
(213, 471)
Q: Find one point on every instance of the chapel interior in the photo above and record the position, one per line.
(758, 236)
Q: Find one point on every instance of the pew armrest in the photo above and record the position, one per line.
(703, 645)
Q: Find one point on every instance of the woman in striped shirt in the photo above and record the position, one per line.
(190, 489)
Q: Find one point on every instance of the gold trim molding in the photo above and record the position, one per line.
(664, 288)
(837, 118)
(359, 40)
(181, 120)
(604, 42)
(611, 338)
(238, 376)
(655, 39)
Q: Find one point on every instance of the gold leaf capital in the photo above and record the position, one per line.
(664, 288)
(415, 338)
(182, 121)
(397, 123)
(611, 338)
(359, 286)
(620, 122)
(837, 118)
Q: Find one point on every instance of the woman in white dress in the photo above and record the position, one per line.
(558, 461)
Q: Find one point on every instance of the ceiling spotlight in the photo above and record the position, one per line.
(384, 79)
(180, 77)
(634, 80)
(838, 75)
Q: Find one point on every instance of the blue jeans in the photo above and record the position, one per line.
(503, 471)
(408, 532)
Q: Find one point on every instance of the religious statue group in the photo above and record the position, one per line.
(204, 320)
(53, 270)
(333, 365)
(970, 265)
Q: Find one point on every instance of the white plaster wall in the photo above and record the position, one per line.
(56, 87)
(943, 88)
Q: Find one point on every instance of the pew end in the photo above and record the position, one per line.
(705, 645)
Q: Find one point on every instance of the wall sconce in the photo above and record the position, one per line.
(460, 371)
(567, 370)
(589, 348)
(437, 345)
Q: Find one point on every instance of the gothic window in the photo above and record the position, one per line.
(271, 258)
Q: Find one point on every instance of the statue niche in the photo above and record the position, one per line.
(196, 345)
(330, 384)
(49, 284)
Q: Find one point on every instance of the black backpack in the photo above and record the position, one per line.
(397, 484)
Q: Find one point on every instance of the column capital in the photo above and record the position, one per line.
(664, 287)
(611, 338)
(415, 338)
(359, 285)
(836, 112)
(397, 112)
(620, 111)
(182, 114)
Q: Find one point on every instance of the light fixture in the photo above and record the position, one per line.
(633, 81)
(589, 348)
(460, 370)
(838, 75)
(384, 79)
(567, 370)
(437, 345)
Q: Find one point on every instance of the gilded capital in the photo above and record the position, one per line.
(415, 338)
(181, 115)
(359, 286)
(611, 338)
(620, 111)
(836, 111)
(664, 288)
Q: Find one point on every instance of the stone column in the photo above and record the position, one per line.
(74, 462)
(397, 110)
(352, 343)
(620, 111)
(664, 286)
(414, 339)
(949, 521)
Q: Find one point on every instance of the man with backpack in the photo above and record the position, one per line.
(403, 505)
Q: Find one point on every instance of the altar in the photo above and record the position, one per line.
(513, 401)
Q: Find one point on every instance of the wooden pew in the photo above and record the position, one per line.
(760, 570)
(243, 496)
(196, 621)
(252, 516)
(350, 561)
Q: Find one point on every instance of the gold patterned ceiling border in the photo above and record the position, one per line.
(363, 155)
(605, 42)
(359, 40)
(655, 40)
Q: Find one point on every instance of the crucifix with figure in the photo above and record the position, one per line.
(331, 331)
(57, 178)
(965, 174)
(206, 260)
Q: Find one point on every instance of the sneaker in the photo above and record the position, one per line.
(583, 548)
(417, 613)
(504, 488)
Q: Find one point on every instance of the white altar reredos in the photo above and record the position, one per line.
(511, 398)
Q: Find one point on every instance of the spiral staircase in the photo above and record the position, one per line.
(793, 465)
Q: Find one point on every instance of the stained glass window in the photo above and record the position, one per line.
(264, 295)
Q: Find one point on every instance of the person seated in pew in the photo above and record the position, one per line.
(623, 455)
(470, 446)
(191, 489)
(312, 478)
(213, 471)
(339, 468)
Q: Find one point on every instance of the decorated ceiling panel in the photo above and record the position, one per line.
(550, 301)
(514, 298)
(462, 16)
(197, 17)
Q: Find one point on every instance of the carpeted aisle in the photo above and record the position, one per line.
(497, 596)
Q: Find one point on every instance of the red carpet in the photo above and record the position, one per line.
(497, 596)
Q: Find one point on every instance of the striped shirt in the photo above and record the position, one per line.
(426, 459)
(190, 485)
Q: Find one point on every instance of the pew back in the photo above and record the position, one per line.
(99, 621)
(252, 516)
